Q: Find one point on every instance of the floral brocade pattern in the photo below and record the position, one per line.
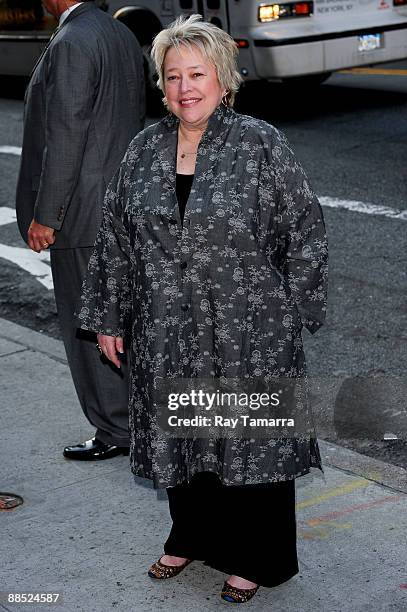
(225, 294)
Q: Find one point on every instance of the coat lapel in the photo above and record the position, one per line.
(45, 49)
(167, 152)
(215, 135)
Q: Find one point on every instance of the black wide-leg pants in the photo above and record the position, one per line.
(248, 530)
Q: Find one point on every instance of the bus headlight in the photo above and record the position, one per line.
(271, 12)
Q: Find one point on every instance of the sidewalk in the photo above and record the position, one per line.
(88, 532)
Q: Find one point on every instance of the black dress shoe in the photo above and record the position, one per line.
(94, 450)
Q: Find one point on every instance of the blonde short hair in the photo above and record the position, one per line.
(216, 44)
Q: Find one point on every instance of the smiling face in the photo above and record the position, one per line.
(192, 88)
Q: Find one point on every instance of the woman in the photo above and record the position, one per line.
(211, 256)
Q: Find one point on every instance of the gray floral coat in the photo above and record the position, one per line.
(226, 293)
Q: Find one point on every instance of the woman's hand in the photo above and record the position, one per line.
(111, 346)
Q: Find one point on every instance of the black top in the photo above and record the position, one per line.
(183, 186)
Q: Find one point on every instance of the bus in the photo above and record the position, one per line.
(304, 40)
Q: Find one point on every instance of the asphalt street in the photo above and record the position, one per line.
(350, 135)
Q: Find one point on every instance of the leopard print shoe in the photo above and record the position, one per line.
(161, 571)
(234, 595)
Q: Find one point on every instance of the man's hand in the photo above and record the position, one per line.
(111, 346)
(40, 236)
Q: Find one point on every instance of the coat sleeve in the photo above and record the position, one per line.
(302, 240)
(105, 302)
(71, 87)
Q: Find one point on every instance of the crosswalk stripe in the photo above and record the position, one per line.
(10, 150)
(363, 207)
(34, 263)
(7, 215)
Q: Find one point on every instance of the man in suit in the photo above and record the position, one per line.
(84, 103)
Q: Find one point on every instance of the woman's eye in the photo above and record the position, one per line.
(173, 77)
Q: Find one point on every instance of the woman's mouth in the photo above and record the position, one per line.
(189, 101)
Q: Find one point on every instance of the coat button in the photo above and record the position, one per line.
(183, 265)
(184, 307)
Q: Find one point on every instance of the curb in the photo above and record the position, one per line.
(32, 340)
(386, 474)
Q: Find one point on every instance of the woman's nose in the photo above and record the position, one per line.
(185, 84)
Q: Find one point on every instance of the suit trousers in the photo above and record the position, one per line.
(102, 389)
(245, 530)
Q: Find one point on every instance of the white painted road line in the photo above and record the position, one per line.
(363, 207)
(34, 263)
(10, 150)
(7, 215)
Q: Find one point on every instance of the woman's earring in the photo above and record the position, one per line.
(225, 99)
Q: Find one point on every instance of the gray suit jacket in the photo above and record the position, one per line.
(84, 103)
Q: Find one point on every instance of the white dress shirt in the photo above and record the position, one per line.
(65, 14)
